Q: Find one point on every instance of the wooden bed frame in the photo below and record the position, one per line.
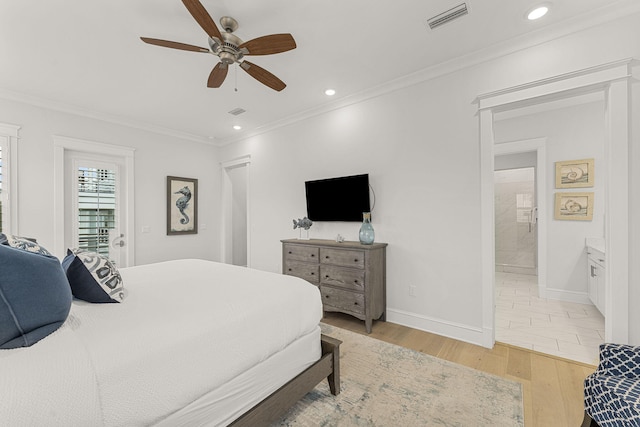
(273, 407)
(587, 421)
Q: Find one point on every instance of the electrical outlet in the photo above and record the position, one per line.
(412, 291)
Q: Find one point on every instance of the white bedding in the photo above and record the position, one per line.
(186, 328)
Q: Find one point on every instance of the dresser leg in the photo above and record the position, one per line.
(368, 323)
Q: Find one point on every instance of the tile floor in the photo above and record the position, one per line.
(564, 329)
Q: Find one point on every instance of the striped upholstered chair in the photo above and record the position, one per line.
(612, 392)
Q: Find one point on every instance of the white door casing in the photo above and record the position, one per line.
(66, 152)
(613, 80)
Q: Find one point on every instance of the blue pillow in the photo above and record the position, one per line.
(23, 243)
(92, 277)
(35, 297)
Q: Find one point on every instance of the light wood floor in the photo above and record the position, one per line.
(552, 387)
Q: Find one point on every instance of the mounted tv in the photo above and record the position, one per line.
(338, 199)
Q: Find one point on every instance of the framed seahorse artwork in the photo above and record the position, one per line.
(574, 206)
(575, 173)
(182, 205)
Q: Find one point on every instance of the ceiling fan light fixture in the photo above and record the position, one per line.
(330, 92)
(237, 127)
(230, 48)
(538, 11)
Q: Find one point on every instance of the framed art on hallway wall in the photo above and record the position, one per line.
(574, 206)
(575, 173)
(182, 205)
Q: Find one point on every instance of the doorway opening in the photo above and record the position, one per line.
(516, 219)
(235, 212)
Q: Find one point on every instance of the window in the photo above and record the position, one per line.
(96, 208)
(1, 194)
(8, 193)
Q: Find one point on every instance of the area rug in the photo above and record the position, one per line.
(387, 385)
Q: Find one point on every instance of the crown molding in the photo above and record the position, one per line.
(97, 115)
(531, 39)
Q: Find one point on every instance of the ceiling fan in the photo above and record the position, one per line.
(230, 48)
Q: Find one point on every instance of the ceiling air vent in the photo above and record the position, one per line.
(448, 16)
(237, 111)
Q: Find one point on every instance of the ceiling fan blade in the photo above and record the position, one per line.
(175, 45)
(202, 17)
(268, 45)
(263, 76)
(218, 74)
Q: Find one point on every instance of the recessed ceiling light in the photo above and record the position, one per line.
(537, 12)
(237, 127)
(330, 92)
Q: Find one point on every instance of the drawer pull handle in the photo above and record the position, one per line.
(355, 303)
(355, 281)
(355, 260)
(326, 296)
(326, 257)
(326, 276)
(290, 252)
(289, 269)
(312, 255)
(312, 273)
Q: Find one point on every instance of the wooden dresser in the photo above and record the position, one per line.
(351, 276)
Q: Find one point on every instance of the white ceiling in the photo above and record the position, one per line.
(87, 57)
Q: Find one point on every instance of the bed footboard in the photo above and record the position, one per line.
(279, 402)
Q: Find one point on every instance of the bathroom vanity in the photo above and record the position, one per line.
(596, 272)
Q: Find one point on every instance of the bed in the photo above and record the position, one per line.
(194, 342)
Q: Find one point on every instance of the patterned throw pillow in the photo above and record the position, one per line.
(93, 277)
(23, 243)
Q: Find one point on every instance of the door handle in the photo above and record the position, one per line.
(118, 241)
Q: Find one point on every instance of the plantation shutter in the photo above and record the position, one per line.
(0, 189)
(96, 208)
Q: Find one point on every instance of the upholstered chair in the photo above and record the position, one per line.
(612, 392)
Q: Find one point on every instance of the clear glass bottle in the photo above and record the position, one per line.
(367, 234)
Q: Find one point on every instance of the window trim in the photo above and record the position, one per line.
(9, 136)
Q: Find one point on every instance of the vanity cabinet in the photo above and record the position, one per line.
(351, 276)
(596, 277)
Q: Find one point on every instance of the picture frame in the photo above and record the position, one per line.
(182, 205)
(574, 206)
(575, 173)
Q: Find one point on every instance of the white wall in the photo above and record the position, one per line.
(156, 157)
(576, 132)
(420, 146)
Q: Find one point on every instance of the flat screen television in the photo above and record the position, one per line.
(338, 199)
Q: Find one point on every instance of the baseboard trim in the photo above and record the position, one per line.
(568, 296)
(447, 329)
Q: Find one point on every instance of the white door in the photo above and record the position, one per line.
(95, 208)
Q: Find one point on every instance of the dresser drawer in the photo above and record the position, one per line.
(342, 300)
(348, 278)
(304, 270)
(300, 253)
(342, 257)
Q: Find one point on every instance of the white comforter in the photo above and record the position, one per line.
(185, 328)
